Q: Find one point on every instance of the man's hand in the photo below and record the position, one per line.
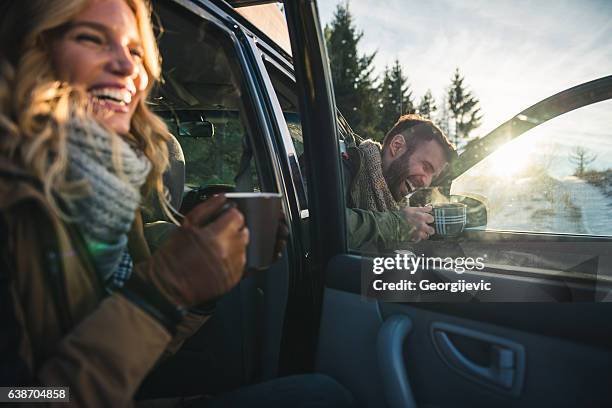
(419, 218)
(199, 263)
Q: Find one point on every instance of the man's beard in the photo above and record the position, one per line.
(397, 173)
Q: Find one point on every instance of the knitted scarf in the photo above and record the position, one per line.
(105, 214)
(370, 190)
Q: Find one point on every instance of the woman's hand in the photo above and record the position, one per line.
(199, 263)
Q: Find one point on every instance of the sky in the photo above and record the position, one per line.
(512, 53)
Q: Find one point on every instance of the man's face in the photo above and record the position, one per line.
(407, 170)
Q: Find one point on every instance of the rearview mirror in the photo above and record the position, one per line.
(197, 129)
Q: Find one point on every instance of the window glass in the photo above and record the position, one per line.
(270, 19)
(469, 69)
(285, 90)
(201, 100)
(212, 141)
(295, 129)
(555, 178)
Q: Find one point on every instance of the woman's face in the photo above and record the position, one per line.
(101, 51)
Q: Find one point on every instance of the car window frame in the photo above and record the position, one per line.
(570, 99)
(254, 112)
(292, 169)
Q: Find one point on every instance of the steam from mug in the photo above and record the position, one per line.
(423, 196)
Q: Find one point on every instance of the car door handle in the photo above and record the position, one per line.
(505, 370)
(500, 372)
(389, 347)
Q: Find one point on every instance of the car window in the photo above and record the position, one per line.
(212, 142)
(466, 77)
(555, 178)
(285, 91)
(202, 102)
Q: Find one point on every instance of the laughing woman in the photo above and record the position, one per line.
(78, 149)
(78, 152)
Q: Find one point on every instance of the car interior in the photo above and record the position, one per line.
(213, 150)
(246, 116)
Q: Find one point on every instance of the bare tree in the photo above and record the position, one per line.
(581, 158)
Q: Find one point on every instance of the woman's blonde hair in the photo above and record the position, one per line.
(35, 107)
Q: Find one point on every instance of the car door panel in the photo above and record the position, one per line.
(455, 354)
(585, 322)
(548, 379)
(510, 351)
(240, 342)
(347, 344)
(554, 337)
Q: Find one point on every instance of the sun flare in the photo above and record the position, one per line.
(511, 159)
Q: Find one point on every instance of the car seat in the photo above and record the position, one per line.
(217, 347)
(156, 223)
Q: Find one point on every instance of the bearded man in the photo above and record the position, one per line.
(377, 179)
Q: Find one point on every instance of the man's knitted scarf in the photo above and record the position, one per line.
(105, 214)
(370, 190)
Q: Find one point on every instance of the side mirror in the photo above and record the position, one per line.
(477, 209)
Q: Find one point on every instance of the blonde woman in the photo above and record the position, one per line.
(78, 150)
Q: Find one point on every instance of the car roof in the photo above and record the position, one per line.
(237, 9)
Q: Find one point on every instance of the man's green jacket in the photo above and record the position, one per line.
(367, 229)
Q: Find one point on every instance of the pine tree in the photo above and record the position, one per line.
(395, 97)
(464, 109)
(427, 106)
(352, 74)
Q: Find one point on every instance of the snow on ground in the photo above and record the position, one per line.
(596, 208)
(541, 203)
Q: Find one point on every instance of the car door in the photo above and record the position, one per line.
(554, 220)
(215, 99)
(466, 352)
